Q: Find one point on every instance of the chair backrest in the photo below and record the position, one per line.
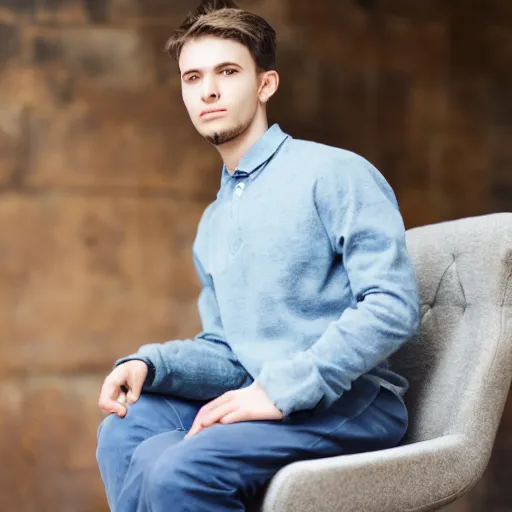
(460, 364)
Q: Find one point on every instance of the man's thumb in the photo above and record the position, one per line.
(135, 389)
(132, 396)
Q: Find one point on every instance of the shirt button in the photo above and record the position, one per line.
(239, 189)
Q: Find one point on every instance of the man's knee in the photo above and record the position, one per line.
(190, 468)
(149, 450)
(110, 434)
(176, 480)
(114, 432)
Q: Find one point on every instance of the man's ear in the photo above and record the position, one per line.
(268, 86)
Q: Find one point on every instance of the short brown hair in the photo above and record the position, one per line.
(223, 19)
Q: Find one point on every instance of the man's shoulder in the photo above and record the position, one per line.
(337, 171)
(309, 150)
(204, 221)
(205, 216)
(326, 163)
(323, 159)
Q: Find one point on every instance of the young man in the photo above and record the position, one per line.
(307, 290)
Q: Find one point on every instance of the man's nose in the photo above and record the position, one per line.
(210, 90)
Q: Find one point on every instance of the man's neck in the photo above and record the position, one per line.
(233, 151)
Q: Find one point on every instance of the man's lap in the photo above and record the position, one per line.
(309, 433)
(252, 451)
(300, 433)
(149, 441)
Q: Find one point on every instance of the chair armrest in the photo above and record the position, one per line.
(418, 476)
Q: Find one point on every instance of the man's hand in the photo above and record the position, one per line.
(246, 404)
(130, 376)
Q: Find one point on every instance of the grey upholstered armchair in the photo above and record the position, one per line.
(460, 369)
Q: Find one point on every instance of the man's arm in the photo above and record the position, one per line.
(200, 368)
(361, 217)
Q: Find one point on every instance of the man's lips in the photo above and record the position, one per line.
(214, 111)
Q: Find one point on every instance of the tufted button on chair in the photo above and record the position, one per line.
(459, 367)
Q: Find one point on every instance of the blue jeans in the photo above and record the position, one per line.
(147, 466)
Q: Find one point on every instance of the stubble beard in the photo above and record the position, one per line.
(219, 138)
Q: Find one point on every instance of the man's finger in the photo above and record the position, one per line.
(135, 383)
(205, 409)
(107, 402)
(122, 398)
(218, 413)
(113, 407)
(221, 400)
(196, 426)
(206, 420)
(235, 417)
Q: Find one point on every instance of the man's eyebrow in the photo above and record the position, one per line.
(218, 66)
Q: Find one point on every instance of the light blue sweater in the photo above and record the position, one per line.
(307, 282)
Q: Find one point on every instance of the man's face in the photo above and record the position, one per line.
(220, 86)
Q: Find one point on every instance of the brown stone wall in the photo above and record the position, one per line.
(103, 181)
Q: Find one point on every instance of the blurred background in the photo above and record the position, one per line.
(103, 180)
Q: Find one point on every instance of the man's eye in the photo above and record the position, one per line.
(229, 71)
(192, 78)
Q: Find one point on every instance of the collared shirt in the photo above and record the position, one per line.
(305, 271)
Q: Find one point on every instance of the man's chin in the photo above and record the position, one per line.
(219, 135)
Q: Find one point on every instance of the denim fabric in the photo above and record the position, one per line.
(147, 466)
(305, 274)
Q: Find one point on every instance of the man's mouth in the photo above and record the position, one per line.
(213, 113)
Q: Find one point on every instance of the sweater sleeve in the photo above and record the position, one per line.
(204, 366)
(360, 214)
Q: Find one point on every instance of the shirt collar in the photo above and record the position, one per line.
(259, 153)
